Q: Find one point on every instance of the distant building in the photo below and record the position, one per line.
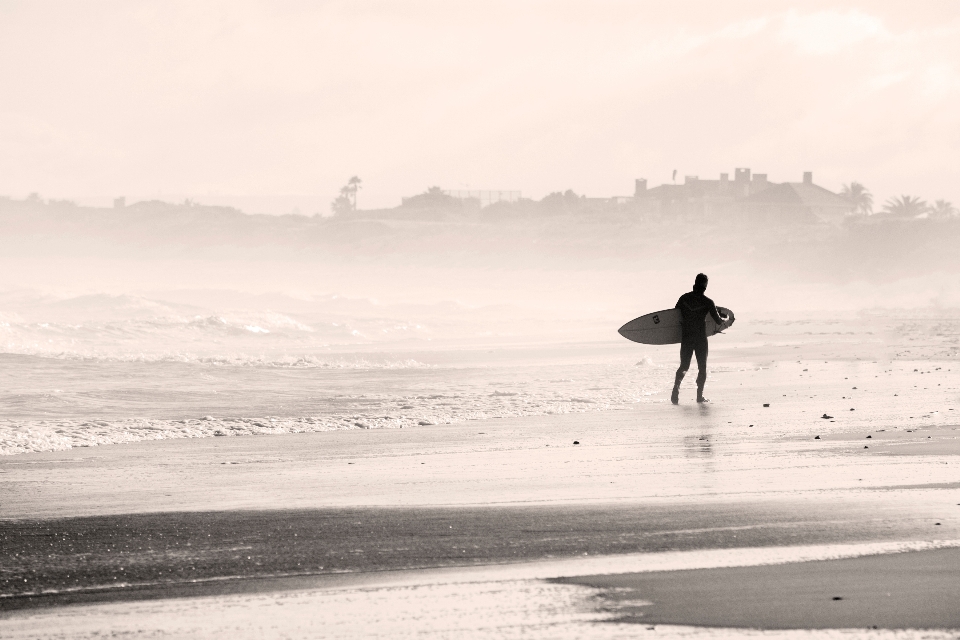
(484, 197)
(746, 197)
(799, 202)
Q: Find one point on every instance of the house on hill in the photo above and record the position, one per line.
(801, 202)
(747, 197)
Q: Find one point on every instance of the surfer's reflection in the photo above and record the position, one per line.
(698, 446)
(694, 307)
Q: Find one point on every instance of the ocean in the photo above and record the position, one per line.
(104, 369)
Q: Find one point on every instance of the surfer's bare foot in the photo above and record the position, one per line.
(675, 396)
(702, 400)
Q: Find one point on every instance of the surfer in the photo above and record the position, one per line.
(694, 307)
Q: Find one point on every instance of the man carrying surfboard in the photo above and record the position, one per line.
(694, 307)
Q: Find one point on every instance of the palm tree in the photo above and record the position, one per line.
(859, 197)
(941, 210)
(353, 184)
(905, 207)
(342, 204)
(347, 200)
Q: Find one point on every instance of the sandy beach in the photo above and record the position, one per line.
(192, 529)
(892, 591)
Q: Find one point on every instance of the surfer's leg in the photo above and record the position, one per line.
(686, 353)
(701, 351)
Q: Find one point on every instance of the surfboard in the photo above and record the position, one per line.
(663, 327)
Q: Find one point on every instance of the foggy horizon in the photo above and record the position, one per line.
(146, 98)
(310, 205)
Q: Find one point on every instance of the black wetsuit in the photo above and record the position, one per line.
(694, 307)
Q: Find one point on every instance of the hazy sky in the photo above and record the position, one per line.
(267, 98)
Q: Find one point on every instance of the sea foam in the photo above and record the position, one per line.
(378, 399)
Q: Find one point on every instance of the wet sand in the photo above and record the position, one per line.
(149, 556)
(899, 434)
(241, 512)
(917, 590)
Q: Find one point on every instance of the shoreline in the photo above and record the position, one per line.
(498, 498)
(144, 556)
(913, 590)
(647, 453)
(875, 589)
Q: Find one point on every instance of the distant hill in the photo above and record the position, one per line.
(500, 235)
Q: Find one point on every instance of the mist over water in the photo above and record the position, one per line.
(184, 321)
(176, 262)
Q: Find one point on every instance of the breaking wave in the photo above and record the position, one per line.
(456, 403)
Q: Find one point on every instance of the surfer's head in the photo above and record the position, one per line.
(700, 283)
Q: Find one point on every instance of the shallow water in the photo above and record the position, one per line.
(53, 403)
(108, 369)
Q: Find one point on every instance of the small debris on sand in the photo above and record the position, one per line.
(576, 442)
(869, 436)
(767, 404)
(816, 437)
(837, 598)
(826, 417)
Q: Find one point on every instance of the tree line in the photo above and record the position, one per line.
(904, 207)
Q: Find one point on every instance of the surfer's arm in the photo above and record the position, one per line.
(715, 314)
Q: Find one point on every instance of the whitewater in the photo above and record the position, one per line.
(106, 369)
